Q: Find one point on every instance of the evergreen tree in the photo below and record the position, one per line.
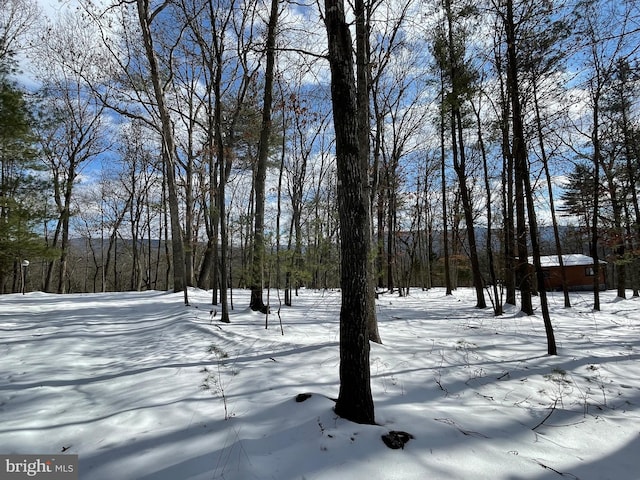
(577, 199)
(459, 76)
(21, 201)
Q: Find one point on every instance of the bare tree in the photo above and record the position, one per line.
(17, 18)
(543, 56)
(129, 64)
(257, 282)
(355, 401)
(306, 123)
(522, 175)
(493, 277)
(146, 16)
(605, 42)
(72, 131)
(451, 55)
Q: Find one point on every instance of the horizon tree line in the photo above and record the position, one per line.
(429, 191)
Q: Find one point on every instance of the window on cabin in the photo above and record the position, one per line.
(588, 271)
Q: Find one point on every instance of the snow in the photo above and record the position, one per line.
(142, 387)
(570, 260)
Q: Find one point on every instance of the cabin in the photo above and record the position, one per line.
(578, 269)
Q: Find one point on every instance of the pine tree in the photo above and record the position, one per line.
(21, 201)
(577, 199)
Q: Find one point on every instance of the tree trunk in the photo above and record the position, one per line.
(65, 217)
(169, 149)
(355, 401)
(468, 216)
(459, 156)
(188, 238)
(535, 246)
(391, 233)
(363, 90)
(522, 178)
(257, 281)
(596, 200)
(224, 245)
(521, 169)
(631, 154)
(508, 240)
(378, 197)
(554, 219)
(224, 168)
(618, 237)
(445, 219)
(497, 301)
(50, 266)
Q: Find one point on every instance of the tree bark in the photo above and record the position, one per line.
(521, 169)
(596, 199)
(443, 185)
(223, 167)
(169, 148)
(458, 153)
(257, 282)
(522, 179)
(552, 208)
(363, 90)
(355, 401)
(631, 154)
(497, 301)
(468, 216)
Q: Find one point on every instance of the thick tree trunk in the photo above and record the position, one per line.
(355, 401)
(257, 283)
(363, 90)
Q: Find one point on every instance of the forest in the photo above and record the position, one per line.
(155, 144)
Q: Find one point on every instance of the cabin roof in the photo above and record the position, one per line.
(570, 260)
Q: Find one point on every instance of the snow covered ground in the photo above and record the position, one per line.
(142, 387)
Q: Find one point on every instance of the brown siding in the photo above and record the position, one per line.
(577, 277)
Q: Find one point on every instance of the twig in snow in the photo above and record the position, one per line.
(553, 409)
(562, 474)
(469, 433)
